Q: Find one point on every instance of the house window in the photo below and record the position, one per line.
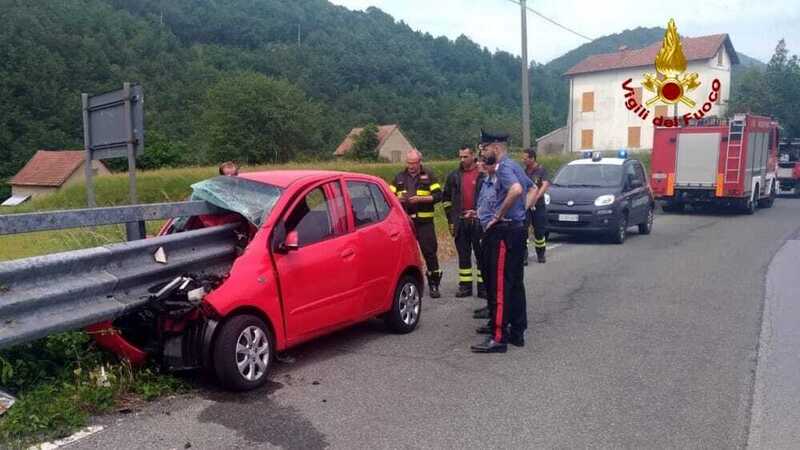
(719, 58)
(587, 105)
(634, 137)
(587, 138)
(661, 111)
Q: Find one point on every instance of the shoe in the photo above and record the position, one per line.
(482, 313)
(481, 292)
(541, 259)
(516, 341)
(489, 346)
(464, 291)
(435, 291)
(433, 283)
(525, 263)
(485, 329)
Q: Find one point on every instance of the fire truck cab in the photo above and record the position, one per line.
(730, 163)
(789, 167)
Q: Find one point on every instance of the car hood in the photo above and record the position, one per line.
(579, 195)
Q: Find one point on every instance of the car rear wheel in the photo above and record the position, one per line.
(243, 353)
(622, 230)
(647, 226)
(406, 306)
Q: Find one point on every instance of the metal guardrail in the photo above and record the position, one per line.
(74, 218)
(64, 291)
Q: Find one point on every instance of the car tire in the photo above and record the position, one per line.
(618, 237)
(406, 306)
(243, 340)
(647, 226)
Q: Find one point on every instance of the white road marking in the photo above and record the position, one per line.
(86, 432)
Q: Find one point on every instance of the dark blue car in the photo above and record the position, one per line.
(601, 196)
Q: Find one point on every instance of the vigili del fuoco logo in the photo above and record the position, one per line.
(671, 85)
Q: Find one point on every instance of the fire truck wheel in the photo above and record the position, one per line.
(618, 237)
(406, 306)
(750, 206)
(243, 353)
(647, 226)
(768, 202)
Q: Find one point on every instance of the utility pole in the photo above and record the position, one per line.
(526, 98)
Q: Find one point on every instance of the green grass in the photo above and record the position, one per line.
(56, 378)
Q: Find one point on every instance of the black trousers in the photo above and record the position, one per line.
(467, 239)
(426, 236)
(504, 249)
(538, 218)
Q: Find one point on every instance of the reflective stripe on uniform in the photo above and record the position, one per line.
(425, 215)
(539, 243)
(466, 278)
(435, 186)
(393, 189)
(447, 204)
(480, 277)
(421, 192)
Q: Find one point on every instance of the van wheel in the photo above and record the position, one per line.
(622, 230)
(647, 226)
(243, 353)
(406, 306)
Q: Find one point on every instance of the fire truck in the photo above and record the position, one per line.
(730, 163)
(789, 167)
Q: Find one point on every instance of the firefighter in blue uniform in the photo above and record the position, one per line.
(537, 215)
(419, 191)
(459, 198)
(504, 247)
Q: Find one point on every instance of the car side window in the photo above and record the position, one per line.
(311, 218)
(640, 174)
(369, 205)
(630, 175)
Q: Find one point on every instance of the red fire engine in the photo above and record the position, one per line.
(713, 161)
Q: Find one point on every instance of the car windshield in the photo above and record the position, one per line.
(251, 199)
(589, 175)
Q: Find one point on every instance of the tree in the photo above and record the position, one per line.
(255, 119)
(365, 145)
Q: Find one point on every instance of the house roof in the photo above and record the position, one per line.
(704, 47)
(49, 168)
(384, 131)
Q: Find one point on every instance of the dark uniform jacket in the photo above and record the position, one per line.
(451, 198)
(404, 185)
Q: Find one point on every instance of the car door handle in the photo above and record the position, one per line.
(348, 254)
(394, 235)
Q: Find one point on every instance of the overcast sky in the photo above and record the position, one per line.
(755, 26)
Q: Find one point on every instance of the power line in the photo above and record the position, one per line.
(564, 27)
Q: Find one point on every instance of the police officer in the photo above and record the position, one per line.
(537, 216)
(418, 191)
(460, 196)
(504, 249)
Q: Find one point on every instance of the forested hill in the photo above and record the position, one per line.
(259, 80)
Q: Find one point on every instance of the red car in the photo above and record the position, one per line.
(322, 250)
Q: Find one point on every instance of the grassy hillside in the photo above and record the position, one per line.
(169, 185)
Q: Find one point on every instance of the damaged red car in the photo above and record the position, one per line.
(317, 251)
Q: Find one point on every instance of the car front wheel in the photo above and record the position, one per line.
(647, 226)
(243, 353)
(406, 306)
(621, 232)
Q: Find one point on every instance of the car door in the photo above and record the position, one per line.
(633, 189)
(319, 286)
(379, 235)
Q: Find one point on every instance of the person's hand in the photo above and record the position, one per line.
(452, 230)
(492, 222)
(414, 200)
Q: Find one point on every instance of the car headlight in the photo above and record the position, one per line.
(546, 198)
(604, 200)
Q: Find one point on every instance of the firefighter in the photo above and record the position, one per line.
(459, 199)
(419, 191)
(537, 215)
(504, 249)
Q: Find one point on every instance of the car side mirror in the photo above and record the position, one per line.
(292, 241)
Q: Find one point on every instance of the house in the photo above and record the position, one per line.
(48, 171)
(598, 117)
(392, 143)
(552, 142)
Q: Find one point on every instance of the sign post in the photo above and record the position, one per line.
(113, 127)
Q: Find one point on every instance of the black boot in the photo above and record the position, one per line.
(481, 290)
(433, 283)
(481, 313)
(464, 291)
(540, 255)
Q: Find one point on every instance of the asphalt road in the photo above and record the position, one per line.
(652, 344)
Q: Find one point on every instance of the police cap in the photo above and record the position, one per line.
(490, 137)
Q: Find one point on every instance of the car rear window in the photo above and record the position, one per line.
(589, 175)
(369, 204)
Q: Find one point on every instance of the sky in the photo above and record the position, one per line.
(755, 26)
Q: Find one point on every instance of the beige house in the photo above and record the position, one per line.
(48, 171)
(392, 143)
(598, 118)
(552, 142)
